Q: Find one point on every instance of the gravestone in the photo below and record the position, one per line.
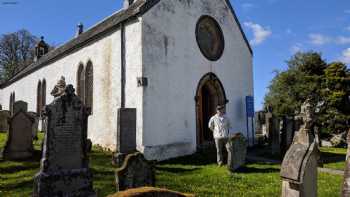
(35, 124)
(126, 134)
(0, 107)
(275, 136)
(299, 166)
(4, 120)
(135, 172)
(237, 152)
(287, 133)
(64, 169)
(19, 144)
(346, 181)
(20, 106)
(269, 126)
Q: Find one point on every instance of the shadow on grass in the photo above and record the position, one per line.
(201, 158)
(175, 169)
(23, 184)
(247, 170)
(328, 157)
(17, 168)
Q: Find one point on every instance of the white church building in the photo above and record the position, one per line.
(173, 61)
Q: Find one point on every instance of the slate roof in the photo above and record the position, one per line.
(96, 32)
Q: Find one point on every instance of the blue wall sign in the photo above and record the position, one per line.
(249, 100)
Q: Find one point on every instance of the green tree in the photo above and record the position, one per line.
(308, 74)
(290, 88)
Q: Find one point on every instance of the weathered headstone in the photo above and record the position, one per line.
(135, 172)
(346, 181)
(19, 144)
(64, 169)
(35, 124)
(275, 136)
(4, 120)
(126, 135)
(299, 166)
(287, 133)
(237, 152)
(269, 125)
(0, 107)
(20, 106)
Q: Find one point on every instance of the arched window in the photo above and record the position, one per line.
(12, 102)
(39, 98)
(81, 82)
(89, 86)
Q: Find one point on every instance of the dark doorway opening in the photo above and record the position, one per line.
(210, 93)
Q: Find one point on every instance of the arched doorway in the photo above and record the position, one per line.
(210, 93)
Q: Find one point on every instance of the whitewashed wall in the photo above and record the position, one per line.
(174, 65)
(105, 56)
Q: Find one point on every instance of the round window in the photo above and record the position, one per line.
(210, 38)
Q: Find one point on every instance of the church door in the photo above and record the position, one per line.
(210, 93)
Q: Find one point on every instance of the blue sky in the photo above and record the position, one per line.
(275, 28)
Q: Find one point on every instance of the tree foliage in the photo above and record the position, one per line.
(16, 52)
(308, 74)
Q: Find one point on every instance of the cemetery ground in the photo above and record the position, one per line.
(197, 174)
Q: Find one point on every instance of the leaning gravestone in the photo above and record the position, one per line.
(237, 152)
(4, 119)
(299, 166)
(19, 144)
(64, 169)
(135, 172)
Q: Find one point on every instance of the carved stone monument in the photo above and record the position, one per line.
(346, 181)
(299, 166)
(135, 172)
(35, 124)
(64, 169)
(237, 152)
(19, 144)
(4, 119)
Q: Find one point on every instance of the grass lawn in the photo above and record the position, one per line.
(196, 174)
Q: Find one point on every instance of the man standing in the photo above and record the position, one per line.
(220, 126)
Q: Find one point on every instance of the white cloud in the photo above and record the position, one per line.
(260, 33)
(298, 47)
(343, 40)
(319, 39)
(345, 56)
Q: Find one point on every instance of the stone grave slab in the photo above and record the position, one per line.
(237, 152)
(20, 106)
(135, 172)
(19, 145)
(4, 120)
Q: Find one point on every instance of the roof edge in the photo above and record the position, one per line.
(95, 32)
(239, 26)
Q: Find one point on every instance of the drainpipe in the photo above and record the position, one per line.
(123, 62)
